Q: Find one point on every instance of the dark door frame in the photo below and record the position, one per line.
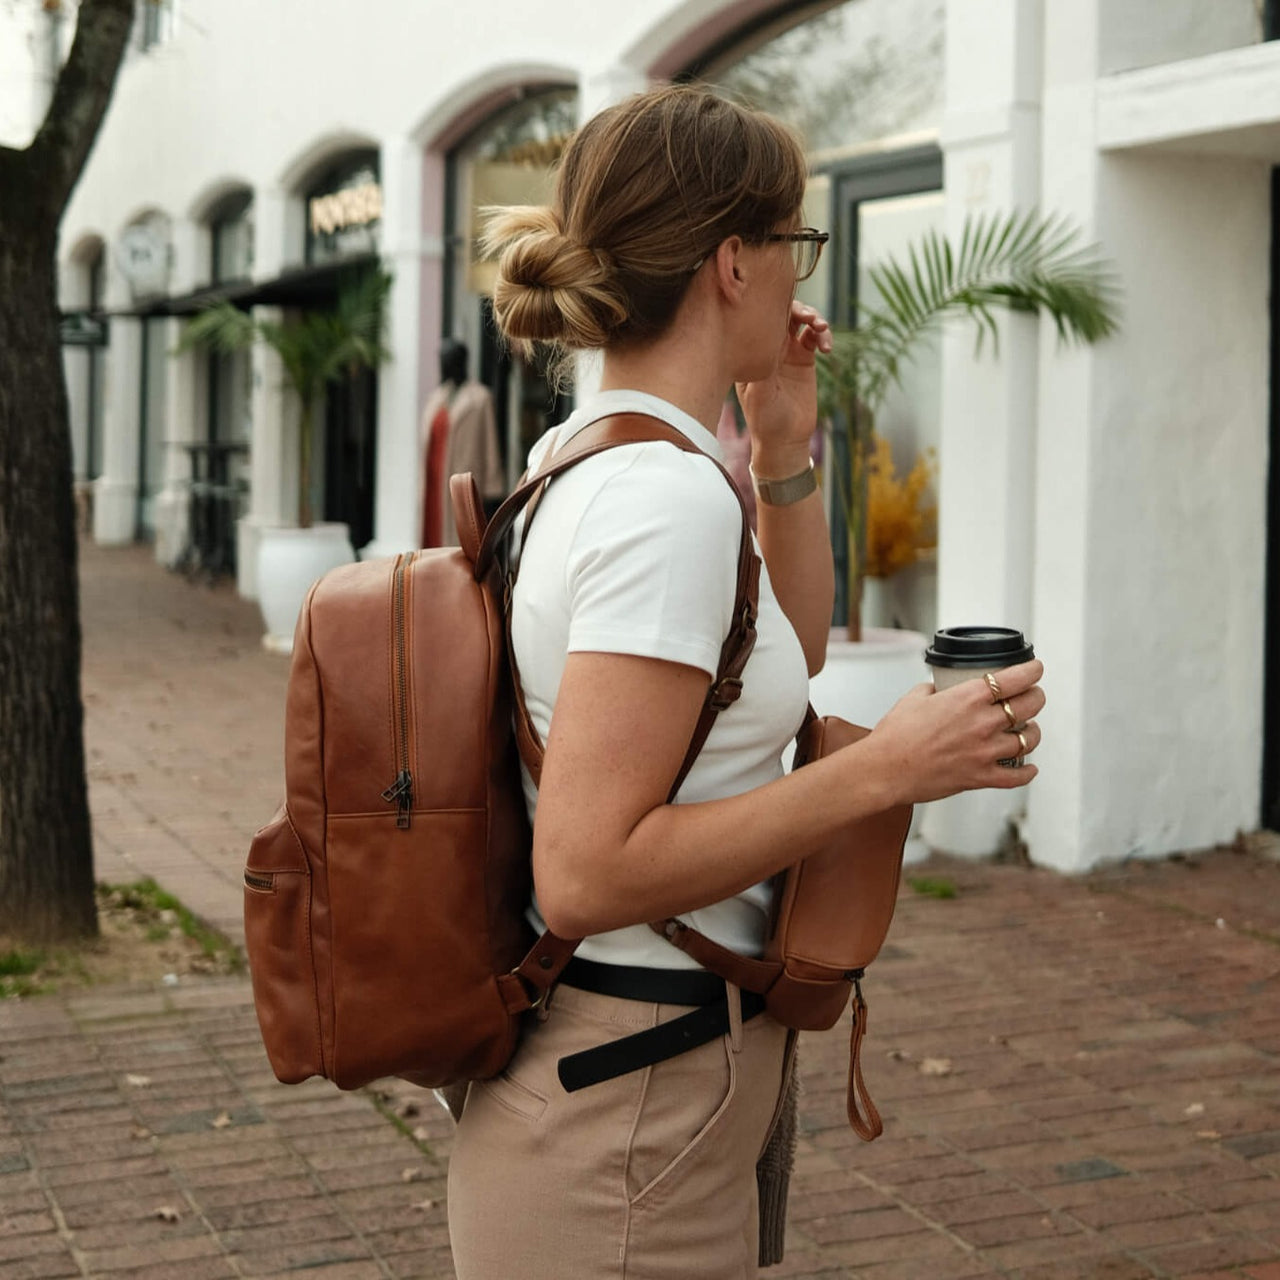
(911, 171)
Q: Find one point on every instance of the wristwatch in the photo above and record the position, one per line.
(782, 493)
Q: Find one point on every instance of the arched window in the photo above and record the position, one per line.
(231, 238)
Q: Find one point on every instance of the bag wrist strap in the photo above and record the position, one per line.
(869, 1126)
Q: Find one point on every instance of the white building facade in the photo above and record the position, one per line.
(1113, 502)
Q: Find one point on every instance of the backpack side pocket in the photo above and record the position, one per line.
(277, 934)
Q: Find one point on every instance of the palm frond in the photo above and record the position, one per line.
(223, 328)
(1017, 261)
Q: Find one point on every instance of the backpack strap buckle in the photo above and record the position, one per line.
(724, 693)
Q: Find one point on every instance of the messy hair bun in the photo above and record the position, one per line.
(550, 288)
(645, 192)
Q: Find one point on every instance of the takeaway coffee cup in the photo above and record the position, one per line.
(969, 653)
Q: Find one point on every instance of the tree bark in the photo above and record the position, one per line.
(46, 851)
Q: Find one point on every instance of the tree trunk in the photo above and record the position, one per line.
(46, 855)
(46, 850)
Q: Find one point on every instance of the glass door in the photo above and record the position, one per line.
(879, 206)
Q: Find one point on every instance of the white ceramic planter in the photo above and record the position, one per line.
(862, 680)
(289, 561)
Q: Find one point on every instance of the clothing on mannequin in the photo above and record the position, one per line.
(459, 433)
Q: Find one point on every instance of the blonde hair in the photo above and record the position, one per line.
(646, 191)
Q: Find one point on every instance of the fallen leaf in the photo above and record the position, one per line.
(421, 1134)
(220, 1121)
(1209, 1135)
(139, 1132)
(166, 1213)
(137, 1082)
(935, 1067)
(1220, 923)
(898, 1055)
(411, 1175)
(1195, 1109)
(425, 1204)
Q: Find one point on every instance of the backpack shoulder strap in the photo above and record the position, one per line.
(530, 982)
(610, 433)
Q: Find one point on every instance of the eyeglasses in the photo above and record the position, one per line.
(806, 245)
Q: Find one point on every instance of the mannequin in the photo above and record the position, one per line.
(458, 434)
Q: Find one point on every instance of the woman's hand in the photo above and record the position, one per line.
(782, 410)
(939, 744)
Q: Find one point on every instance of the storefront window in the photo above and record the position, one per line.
(862, 72)
(862, 82)
(509, 160)
(344, 210)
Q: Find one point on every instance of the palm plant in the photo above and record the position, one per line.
(1022, 262)
(316, 349)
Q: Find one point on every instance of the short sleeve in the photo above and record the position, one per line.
(652, 567)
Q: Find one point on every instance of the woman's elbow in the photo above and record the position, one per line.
(815, 655)
(565, 900)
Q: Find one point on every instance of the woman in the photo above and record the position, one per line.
(673, 247)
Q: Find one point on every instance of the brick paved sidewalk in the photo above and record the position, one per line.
(1078, 1077)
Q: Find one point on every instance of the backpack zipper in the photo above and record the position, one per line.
(400, 792)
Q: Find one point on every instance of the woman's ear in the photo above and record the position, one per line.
(731, 268)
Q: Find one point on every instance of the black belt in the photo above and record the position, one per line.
(655, 1044)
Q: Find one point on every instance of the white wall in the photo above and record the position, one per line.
(1176, 545)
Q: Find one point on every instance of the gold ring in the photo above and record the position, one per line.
(1022, 740)
(1008, 710)
(994, 686)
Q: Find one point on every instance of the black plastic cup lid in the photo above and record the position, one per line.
(978, 647)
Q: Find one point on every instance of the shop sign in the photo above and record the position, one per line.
(82, 329)
(352, 207)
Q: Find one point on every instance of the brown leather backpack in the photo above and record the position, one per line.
(384, 903)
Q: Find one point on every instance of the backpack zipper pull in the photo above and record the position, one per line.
(400, 793)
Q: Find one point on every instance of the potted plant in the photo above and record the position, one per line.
(1023, 262)
(315, 349)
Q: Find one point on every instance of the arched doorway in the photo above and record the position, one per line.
(343, 221)
(506, 160)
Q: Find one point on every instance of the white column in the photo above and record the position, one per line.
(395, 517)
(1057, 803)
(991, 143)
(273, 488)
(115, 492)
(273, 461)
(173, 500)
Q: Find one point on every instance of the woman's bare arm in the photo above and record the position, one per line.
(609, 851)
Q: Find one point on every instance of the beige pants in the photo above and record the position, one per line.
(649, 1176)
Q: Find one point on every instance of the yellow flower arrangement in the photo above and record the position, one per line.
(899, 523)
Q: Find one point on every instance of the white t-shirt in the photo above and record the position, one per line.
(636, 551)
